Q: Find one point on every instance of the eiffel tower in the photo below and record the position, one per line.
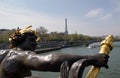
(66, 30)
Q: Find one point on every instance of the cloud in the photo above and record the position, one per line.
(106, 17)
(99, 14)
(95, 12)
(20, 17)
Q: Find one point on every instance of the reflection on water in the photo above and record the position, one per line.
(112, 72)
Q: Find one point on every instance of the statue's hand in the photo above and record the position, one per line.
(98, 60)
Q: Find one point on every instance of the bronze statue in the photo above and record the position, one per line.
(18, 61)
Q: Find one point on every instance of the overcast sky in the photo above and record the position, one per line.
(88, 17)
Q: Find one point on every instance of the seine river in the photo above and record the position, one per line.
(114, 62)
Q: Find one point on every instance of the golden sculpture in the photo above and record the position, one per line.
(106, 47)
(19, 32)
(22, 31)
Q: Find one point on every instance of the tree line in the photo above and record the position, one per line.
(42, 32)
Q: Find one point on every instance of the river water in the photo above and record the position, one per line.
(112, 72)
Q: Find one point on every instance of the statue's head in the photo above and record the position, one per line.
(24, 38)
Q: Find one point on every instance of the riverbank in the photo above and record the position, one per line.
(53, 45)
(48, 46)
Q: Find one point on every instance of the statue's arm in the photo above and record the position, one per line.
(48, 62)
(53, 61)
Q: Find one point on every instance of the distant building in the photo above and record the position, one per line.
(66, 29)
(3, 30)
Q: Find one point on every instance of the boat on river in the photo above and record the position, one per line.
(94, 45)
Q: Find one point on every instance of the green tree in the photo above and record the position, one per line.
(41, 30)
(4, 35)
